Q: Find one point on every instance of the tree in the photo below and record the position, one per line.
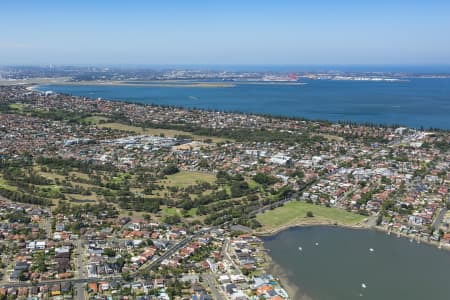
(127, 276)
(264, 179)
(170, 169)
(203, 164)
(222, 177)
(109, 252)
(309, 214)
(386, 180)
(171, 220)
(239, 188)
(245, 271)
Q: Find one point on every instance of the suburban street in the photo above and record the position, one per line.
(80, 290)
(209, 279)
(439, 218)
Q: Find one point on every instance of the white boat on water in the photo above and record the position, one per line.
(363, 285)
(317, 244)
(300, 248)
(371, 249)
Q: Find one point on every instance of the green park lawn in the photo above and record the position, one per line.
(172, 211)
(16, 106)
(295, 213)
(4, 185)
(184, 179)
(95, 119)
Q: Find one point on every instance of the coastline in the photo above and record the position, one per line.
(306, 223)
(150, 83)
(274, 231)
(145, 84)
(35, 83)
(413, 238)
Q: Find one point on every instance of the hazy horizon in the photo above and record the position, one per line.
(435, 69)
(322, 33)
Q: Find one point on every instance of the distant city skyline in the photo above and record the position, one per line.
(326, 32)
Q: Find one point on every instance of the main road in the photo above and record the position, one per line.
(80, 287)
(209, 280)
(154, 263)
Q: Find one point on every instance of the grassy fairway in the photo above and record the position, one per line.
(16, 106)
(95, 119)
(184, 179)
(170, 211)
(6, 186)
(156, 131)
(295, 213)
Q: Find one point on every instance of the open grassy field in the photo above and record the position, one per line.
(16, 106)
(156, 131)
(253, 184)
(193, 212)
(95, 119)
(295, 213)
(50, 175)
(184, 179)
(171, 211)
(6, 186)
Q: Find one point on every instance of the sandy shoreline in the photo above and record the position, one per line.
(150, 83)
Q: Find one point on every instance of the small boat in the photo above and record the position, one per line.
(300, 248)
(371, 249)
(317, 244)
(363, 285)
(411, 240)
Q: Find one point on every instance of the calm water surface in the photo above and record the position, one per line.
(415, 103)
(337, 267)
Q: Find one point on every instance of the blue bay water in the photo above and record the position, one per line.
(337, 267)
(414, 103)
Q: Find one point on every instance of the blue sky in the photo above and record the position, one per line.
(225, 32)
